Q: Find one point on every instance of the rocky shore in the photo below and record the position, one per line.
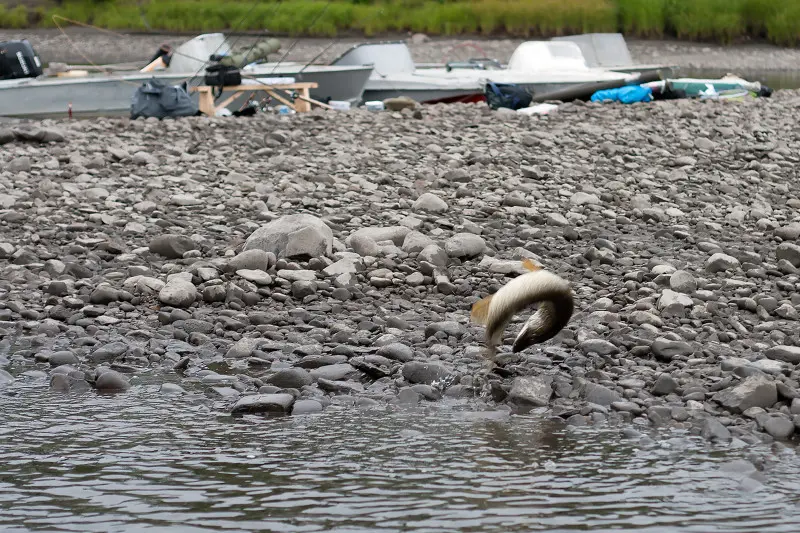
(284, 264)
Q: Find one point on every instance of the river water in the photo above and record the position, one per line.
(144, 461)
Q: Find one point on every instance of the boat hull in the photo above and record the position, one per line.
(112, 95)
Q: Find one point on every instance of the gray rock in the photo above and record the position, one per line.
(171, 389)
(415, 242)
(364, 246)
(244, 347)
(396, 351)
(450, 328)
(532, 390)
(790, 252)
(465, 245)
(671, 298)
(427, 373)
(433, 254)
(63, 358)
(598, 346)
(108, 352)
(396, 234)
(306, 407)
(172, 246)
(290, 378)
(19, 164)
(755, 391)
(259, 277)
(297, 233)
(714, 430)
(599, 394)
(720, 262)
(334, 372)
(280, 403)
(68, 383)
(583, 198)
(779, 426)
(254, 259)
(666, 349)
(309, 242)
(178, 293)
(664, 384)
(683, 282)
(111, 381)
(429, 202)
(788, 354)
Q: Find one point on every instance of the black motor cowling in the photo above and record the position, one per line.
(18, 60)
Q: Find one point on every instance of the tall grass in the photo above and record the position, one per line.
(642, 18)
(783, 26)
(716, 20)
(711, 20)
(16, 17)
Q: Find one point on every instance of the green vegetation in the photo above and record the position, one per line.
(709, 20)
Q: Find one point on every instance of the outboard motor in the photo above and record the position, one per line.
(19, 60)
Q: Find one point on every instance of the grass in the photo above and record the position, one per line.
(721, 21)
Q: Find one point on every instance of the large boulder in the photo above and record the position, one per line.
(293, 236)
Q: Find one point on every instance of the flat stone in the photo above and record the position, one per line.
(532, 390)
(666, 349)
(279, 403)
(427, 373)
(755, 391)
(788, 354)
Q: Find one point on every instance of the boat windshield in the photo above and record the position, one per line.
(547, 55)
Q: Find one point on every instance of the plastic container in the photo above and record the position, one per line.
(374, 105)
(339, 105)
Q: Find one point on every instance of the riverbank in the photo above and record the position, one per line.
(77, 45)
(131, 251)
(706, 20)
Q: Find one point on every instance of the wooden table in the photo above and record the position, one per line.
(302, 104)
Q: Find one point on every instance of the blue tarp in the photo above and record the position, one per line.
(626, 95)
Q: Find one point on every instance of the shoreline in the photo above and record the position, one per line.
(106, 48)
(335, 256)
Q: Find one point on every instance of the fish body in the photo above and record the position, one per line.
(538, 286)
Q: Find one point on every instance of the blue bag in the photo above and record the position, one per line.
(627, 95)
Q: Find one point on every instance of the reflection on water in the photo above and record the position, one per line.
(144, 462)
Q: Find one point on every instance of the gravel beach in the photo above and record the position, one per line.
(101, 47)
(282, 264)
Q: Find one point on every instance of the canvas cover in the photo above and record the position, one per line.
(155, 98)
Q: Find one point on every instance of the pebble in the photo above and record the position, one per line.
(279, 403)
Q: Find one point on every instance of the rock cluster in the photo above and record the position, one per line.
(282, 264)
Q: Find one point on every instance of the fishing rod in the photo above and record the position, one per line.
(314, 21)
(335, 41)
(264, 34)
(236, 27)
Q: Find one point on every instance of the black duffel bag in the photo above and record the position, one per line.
(222, 76)
(507, 95)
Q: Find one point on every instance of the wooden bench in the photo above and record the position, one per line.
(302, 104)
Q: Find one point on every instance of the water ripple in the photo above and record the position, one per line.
(141, 462)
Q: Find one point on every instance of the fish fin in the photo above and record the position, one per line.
(530, 265)
(480, 310)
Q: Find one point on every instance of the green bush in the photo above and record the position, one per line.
(16, 17)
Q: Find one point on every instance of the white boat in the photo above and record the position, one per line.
(104, 94)
(610, 51)
(538, 66)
